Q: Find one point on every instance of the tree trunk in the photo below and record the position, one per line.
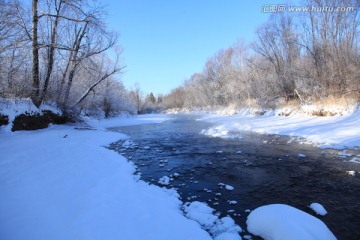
(105, 76)
(35, 52)
(51, 54)
(75, 62)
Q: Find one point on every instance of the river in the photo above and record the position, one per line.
(263, 169)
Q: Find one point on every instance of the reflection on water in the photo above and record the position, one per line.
(263, 169)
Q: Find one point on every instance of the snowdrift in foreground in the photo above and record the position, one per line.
(327, 132)
(60, 183)
(283, 222)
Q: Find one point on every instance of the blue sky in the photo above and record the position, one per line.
(165, 42)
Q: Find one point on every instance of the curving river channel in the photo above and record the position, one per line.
(263, 169)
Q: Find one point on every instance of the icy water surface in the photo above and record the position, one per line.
(263, 169)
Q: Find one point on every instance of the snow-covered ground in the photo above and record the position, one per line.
(62, 183)
(328, 132)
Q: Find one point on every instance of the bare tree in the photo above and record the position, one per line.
(99, 71)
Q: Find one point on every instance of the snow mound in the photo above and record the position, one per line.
(283, 222)
(318, 209)
(13, 107)
(221, 229)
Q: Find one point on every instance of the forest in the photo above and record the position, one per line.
(302, 57)
(62, 52)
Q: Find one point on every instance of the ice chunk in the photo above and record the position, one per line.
(318, 208)
(351, 173)
(165, 180)
(221, 229)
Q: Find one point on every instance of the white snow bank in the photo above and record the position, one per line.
(220, 229)
(283, 222)
(318, 209)
(15, 107)
(127, 120)
(59, 183)
(335, 132)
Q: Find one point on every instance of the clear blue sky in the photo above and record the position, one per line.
(165, 42)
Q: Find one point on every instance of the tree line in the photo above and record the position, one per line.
(305, 56)
(59, 51)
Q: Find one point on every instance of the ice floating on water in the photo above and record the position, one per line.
(355, 160)
(344, 154)
(232, 202)
(221, 229)
(227, 187)
(318, 209)
(165, 180)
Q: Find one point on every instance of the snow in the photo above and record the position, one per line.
(62, 183)
(328, 132)
(351, 173)
(355, 160)
(126, 120)
(282, 222)
(221, 229)
(14, 107)
(344, 154)
(318, 209)
(232, 202)
(227, 187)
(165, 180)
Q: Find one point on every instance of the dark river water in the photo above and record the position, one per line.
(268, 170)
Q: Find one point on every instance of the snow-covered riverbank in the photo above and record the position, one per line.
(62, 183)
(327, 132)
